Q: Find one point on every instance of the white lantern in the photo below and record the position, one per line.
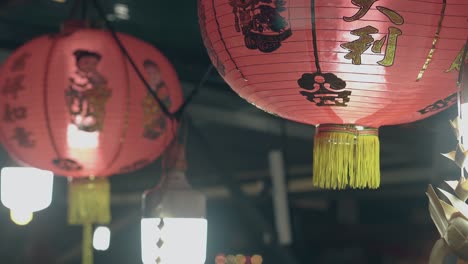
(101, 238)
(174, 228)
(25, 191)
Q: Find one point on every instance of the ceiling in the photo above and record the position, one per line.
(228, 146)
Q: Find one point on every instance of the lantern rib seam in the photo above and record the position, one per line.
(224, 43)
(126, 119)
(45, 99)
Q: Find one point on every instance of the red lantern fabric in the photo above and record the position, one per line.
(363, 63)
(71, 103)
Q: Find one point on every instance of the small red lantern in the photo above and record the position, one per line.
(72, 103)
(346, 66)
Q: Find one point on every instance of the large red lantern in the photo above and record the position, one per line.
(347, 66)
(72, 103)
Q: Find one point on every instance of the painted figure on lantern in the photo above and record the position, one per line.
(88, 93)
(324, 89)
(365, 41)
(261, 23)
(154, 119)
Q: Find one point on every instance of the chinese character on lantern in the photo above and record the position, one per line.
(366, 40)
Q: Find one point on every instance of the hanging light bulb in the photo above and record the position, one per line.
(174, 228)
(25, 191)
(101, 238)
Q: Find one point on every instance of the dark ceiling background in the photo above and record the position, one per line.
(228, 145)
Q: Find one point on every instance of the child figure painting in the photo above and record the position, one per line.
(154, 119)
(87, 93)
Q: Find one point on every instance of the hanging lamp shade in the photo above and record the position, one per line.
(71, 103)
(345, 66)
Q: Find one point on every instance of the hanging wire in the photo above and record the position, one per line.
(84, 9)
(132, 62)
(74, 9)
(179, 112)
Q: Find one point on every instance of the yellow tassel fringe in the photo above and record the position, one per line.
(346, 156)
(88, 203)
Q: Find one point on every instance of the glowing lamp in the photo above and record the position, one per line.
(101, 238)
(25, 191)
(174, 228)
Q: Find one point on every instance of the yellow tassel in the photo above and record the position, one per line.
(88, 203)
(346, 156)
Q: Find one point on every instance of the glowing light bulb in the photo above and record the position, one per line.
(20, 217)
(173, 227)
(25, 191)
(174, 240)
(79, 139)
(101, 238)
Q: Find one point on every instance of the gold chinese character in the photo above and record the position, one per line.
(396, 18)
(456, 64)
(365, 41)
(365, 6)
(359, 46)
(389, 58)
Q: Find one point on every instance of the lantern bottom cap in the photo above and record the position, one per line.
(346, 156)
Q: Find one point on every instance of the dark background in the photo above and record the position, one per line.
(228, 145)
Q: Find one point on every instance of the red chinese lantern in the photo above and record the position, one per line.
(72, 103)
(346, 66)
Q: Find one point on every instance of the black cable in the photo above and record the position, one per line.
(74, 8)
(84, 9)
(135, 67)
(178, 114)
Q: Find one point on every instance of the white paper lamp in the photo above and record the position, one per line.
(25, 191)
(101, 238)
(174, 228)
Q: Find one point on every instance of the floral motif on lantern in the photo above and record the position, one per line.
(67, 164)
(324, 89)
(134, 166)
(87, 93)
(261, 22)
(154, 118)
(439, 104)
